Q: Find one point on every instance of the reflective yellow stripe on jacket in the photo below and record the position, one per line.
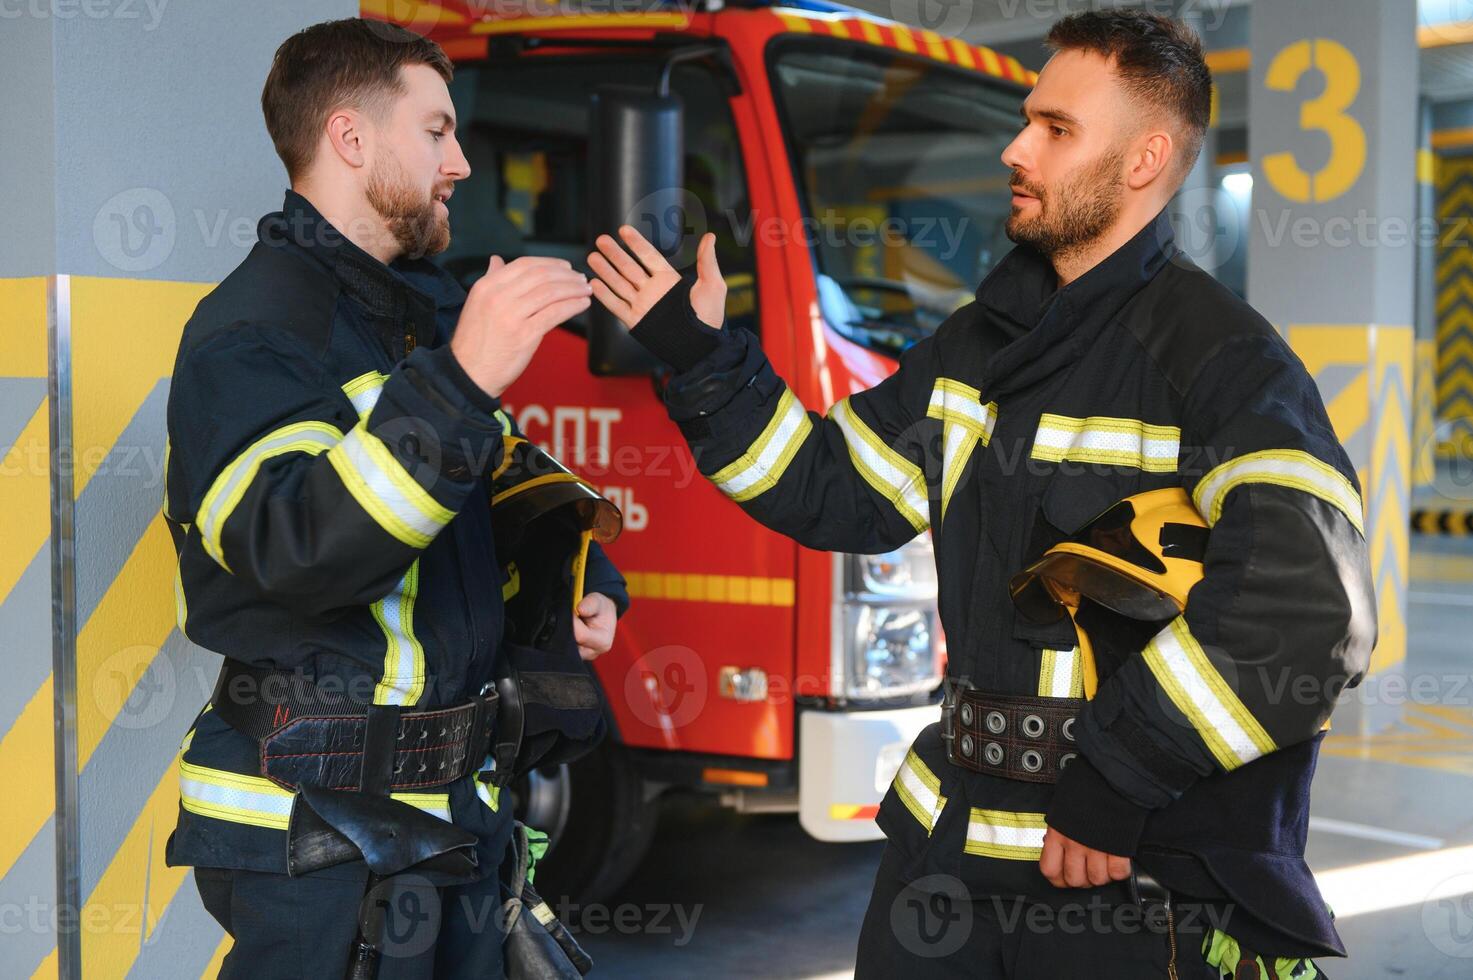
(965, 423)
(257, 801)
(1183, 670)
(759, 468)
(230, 486)
(892, 475)
(1108, 442)
(1060, 674)
(385, 489)
(1291, 468)
(920, 790)
(1005, 834)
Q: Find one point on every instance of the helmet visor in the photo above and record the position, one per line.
(1060, 578)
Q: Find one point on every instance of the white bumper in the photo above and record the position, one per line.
(846, 761)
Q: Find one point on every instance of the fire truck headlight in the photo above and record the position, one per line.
(886, 643)
(892, 651)
(908, 572)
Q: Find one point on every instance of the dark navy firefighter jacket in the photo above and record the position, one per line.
(327, 491)
(1028, 412)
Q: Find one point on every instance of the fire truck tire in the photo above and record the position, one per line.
(606, 832)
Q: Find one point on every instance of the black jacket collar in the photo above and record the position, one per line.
(1046, 327)
(405, 292)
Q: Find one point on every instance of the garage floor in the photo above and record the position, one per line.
(724, 895)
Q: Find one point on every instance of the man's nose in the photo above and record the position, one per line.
(1014, 155)
(456, 166)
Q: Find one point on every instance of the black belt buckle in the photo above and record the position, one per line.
(950, 694)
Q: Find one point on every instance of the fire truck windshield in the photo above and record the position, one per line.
(897, 159)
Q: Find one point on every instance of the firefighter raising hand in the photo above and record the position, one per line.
(507, 313)
(629, 288)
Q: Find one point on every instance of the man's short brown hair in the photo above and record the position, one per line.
(1158, 59)
(353, 63)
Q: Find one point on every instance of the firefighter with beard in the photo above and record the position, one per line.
(1097, 364)
(334, 434)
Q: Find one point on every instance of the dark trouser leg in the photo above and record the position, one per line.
(471, 935)
(928, 929)
(289, 928)
(1098, 934)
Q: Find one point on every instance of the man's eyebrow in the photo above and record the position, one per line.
(446, 120)
(1057, 115)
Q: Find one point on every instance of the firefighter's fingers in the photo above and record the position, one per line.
(527, 283)
(648, 255)
(614, 304)
(1051, 861)
(552, 292)
(706, 267)
(550, 316)
(1119, 867)
(594, 634)
(617, 284)
(498, 275)
(1097, 866)
(599, 607)
(621, 260)
(1076, 874)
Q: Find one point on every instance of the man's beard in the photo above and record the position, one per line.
(1076, 213)
(410, 217)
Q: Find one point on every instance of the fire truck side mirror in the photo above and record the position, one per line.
(636, 176)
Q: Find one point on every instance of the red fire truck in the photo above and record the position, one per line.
(849, 168)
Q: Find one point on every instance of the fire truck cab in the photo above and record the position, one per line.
(849, 167)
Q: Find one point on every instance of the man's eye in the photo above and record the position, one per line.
(436, 133)
(1058, 131)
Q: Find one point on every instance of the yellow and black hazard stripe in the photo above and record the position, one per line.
(928, 44)
(1442, 521)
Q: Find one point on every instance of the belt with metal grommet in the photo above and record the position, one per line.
(312, 736)
(1009, 735)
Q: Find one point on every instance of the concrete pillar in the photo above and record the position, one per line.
(1333, 132)
(136, 165)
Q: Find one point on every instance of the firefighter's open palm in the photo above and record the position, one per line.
(630, 285)
(507, 313)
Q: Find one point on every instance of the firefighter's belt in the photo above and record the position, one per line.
(1009, 735)
(314, 737)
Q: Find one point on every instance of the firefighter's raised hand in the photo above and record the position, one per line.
(593, 630)
(507, 313)
(1066, 863)
(629, 285)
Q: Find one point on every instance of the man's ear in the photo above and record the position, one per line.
(346, 133)
(1154, 152)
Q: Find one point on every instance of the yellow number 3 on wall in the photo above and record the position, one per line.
(1325, 113)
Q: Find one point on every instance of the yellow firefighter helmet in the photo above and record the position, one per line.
(1140, 559)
